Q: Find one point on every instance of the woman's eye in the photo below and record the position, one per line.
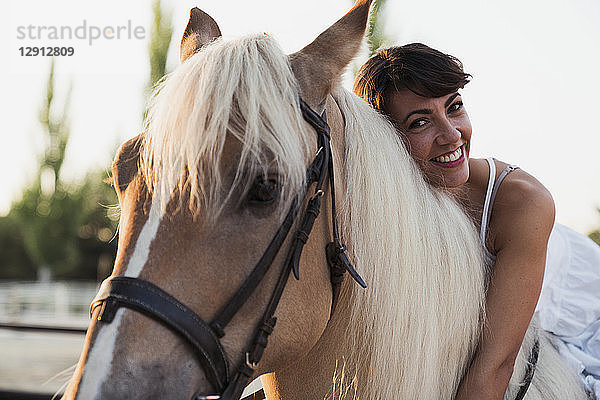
(264, 191)
(455, 107)
(418, 123)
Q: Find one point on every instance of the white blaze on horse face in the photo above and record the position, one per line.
(142, 246)
(99, 361)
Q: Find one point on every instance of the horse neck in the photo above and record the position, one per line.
(311, 376)
(397, 339)
(322, 373)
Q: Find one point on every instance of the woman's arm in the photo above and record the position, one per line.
(521, 224)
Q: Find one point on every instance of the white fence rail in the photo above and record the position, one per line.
(55, 303)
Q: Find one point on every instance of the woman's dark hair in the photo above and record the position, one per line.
(419, 68)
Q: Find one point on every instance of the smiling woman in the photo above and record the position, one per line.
(417, 88)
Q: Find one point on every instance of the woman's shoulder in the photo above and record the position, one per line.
(523, 206)
(520, 189)
(517, 187)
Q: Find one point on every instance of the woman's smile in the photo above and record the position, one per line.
(450, 159)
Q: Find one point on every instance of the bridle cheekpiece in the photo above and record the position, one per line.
(150, 300)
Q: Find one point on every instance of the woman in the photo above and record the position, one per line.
(417, 87)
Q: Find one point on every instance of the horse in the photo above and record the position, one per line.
(241, 146)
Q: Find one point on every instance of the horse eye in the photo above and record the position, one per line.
(264, 191)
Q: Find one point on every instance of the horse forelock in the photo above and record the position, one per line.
(241, 94)
(420, 317)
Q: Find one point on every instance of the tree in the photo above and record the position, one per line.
(56, 226)
(375, 36)
(158, 48)
(160, 41)
(595, 235)
(69, 229)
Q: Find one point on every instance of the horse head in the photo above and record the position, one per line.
(226, 167)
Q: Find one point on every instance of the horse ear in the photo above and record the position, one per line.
(200, 30)
(319, 66)
(125, 165)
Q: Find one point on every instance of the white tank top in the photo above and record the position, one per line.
(488, 204)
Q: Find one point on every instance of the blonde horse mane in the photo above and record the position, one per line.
(419, 320)
(416, 325)
(242, 90)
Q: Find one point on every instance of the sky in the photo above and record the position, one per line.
(533, 101)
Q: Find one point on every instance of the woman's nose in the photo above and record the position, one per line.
(449, 134)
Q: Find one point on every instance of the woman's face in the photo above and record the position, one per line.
(437, 133)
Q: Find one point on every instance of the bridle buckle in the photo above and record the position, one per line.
(319, 193)
(249, 363)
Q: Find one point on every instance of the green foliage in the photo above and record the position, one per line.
(69, 232)
(158, 48)
(55, 225)
(376, 37)
(69, 228)
(160, 40)
(57, 129)
(595, 235)
(15, 262)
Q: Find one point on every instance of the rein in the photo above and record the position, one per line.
(149, 299)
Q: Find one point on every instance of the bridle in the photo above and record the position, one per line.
(149, 299)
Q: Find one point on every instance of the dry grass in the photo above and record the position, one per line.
(344, 386)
